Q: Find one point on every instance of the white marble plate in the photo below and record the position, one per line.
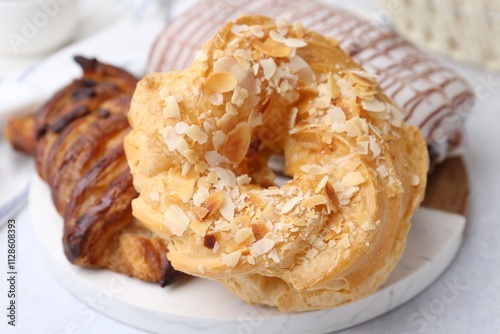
(196, 305)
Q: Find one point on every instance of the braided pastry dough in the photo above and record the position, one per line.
(198, 153)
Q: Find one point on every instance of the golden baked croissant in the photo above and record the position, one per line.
(76, 138)
(198, 153)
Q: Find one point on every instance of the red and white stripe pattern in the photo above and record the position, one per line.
(430, 94)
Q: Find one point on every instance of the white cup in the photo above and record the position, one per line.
(34, 27)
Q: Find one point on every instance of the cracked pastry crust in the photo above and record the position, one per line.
(198, 154)
(77, 141)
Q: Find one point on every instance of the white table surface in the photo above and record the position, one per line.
(466, 299)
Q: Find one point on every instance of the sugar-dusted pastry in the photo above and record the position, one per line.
(198, 154)
(431, 95)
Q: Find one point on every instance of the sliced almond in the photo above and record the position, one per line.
(176, 220)
(332, 195)
(201, 212)
(237, 143)
(218, 139)
(363, 78)
(271, 48)
(313, 169)
(314, 200)
(197, 134)
(382, 170)
(269, 67)
(373, 105)
(186, 190)
(374, 147)
(213, 202)
(299, 66)
(243, 234)
(321, 184)
(170, 136)
(414, 179)
(200, 228)
(298, 28)
(343, 243)
(227, 209)
(259, 230)
(256, 200)
(353, 179)
(295, 43)
(333, 87)
(181, 127)
(201, 56)
(239, 96)
(221, 82)
(257, 31)
(171, 109)
(191, 156)
(239, 28)
(289, 205)
(362, 147)
(231, 259)
(262, 246)
(329, 236)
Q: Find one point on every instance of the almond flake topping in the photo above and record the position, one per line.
(295, 43)
(314, 201)
(196, 134)
(191, 156)
(170, 136)
(218, 139)
(239, 96)
(213, 158)
(299, 66)
(273, 255)
(171, 109)
(289, 205)
(231, 259)
(213, 202)
(257, 31)
(243, 179)
(353, 179)
(227, 209)
(336, 115)
(239, 28)
(164, 93)
(313, 169)
(414, 179)
(221, 82)
(186, 190)
(374, 147)
(181, 127)
(176, 220)
(262, 246)
(243, 234)
(277, 36)
(321, 184)
(343, 243)
(373, 105)
(269, 67)
(201, 56)
(382, 170)
(271, 48)
(182, 146)
(333, 87)
(362, 147)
